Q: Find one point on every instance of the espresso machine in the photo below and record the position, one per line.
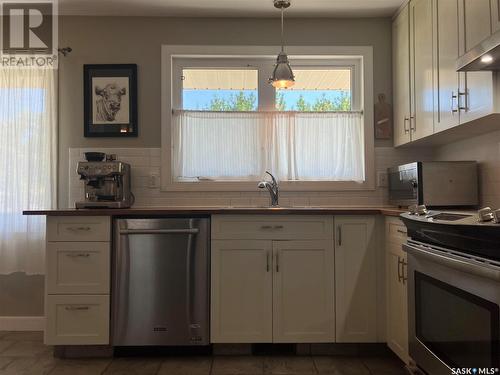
(107, 182)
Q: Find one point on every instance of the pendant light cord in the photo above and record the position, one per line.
(282, 33)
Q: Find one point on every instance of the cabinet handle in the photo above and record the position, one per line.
(278, 227)
(453, 97)
(78, 255)
(265, 227)
(400, 269)
(76, 308)
(277, 261)
(412, 120)
(407, 119)
(465, 95)
(404, 266)
(339, 235)
(267, 260)
(402, 231)
(79, 229)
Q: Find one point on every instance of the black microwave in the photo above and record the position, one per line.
(435, 184)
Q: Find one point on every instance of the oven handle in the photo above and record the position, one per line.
(470, 266)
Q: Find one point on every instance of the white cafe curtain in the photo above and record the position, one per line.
(296, 146)
(28, 126)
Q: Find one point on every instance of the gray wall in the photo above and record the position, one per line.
(137, 40)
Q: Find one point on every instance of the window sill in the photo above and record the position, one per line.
(240, 186)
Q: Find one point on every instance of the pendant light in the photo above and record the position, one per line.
(282, 77)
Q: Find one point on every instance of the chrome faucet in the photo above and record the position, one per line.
(273, 189)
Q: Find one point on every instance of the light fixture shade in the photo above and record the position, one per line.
(282, 77)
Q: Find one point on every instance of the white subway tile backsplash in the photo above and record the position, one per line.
(146, 161)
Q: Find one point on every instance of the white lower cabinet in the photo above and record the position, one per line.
(356, 279)
(77, 320)
(241, 291)
(303, 291)
(77, 280)
(396, 292)
(272, 290)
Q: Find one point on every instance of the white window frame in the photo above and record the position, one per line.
(360, 57)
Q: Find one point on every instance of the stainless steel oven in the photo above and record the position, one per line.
(453, 304)
(437, 184)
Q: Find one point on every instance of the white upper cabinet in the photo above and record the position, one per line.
(421, 68)
(401, 76)
(441, 31)
(446, 113)
(495, 15)
(476, 88)
(476, 16)
(356, 279)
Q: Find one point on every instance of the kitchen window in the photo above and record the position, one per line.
(226, 125)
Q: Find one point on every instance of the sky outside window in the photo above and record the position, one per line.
(318, 90)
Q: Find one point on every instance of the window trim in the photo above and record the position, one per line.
(168, 85)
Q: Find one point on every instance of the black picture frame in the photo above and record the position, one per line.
(110, 100)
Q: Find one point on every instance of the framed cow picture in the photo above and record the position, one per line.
(110, 100)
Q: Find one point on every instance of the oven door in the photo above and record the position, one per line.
(453, 305)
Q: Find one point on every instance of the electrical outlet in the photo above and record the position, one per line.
(382, 179)
(154, 181)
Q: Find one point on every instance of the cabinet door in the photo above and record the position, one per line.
(241, 291)
(355, 279)
(303, 291)
(401, 76)
(447, 51)
(476, 16)
(77, 320)
(422, 74)
(397, 305)
(78, 267)
(495, 15)
(476, 88)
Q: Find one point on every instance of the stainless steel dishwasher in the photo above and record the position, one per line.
(160, 288)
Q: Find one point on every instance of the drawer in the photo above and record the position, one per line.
(78, 267)
(77, 320)
(78, 228)
(396, 231)
(262, 227)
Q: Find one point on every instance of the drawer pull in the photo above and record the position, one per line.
(77, 308)
(79, 229)
(78, 255)
(278, 227)
(402, 231)
(266, 227)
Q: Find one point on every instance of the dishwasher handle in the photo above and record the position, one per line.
(160, 231)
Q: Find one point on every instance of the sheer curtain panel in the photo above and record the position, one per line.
(28, 124)
(296, 146)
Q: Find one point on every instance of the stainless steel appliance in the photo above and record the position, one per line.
(107, 182)
(482, 57)
(453, 292)
(161, 282)
(435, 184)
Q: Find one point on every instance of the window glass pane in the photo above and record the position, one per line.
(220, 89)
(317, 90)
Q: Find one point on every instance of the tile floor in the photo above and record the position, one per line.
(23, 353)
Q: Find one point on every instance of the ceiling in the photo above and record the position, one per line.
(229, 8)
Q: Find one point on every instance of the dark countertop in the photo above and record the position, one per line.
(164, 211)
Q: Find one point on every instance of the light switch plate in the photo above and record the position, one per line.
(154, 181)
(382, 179)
